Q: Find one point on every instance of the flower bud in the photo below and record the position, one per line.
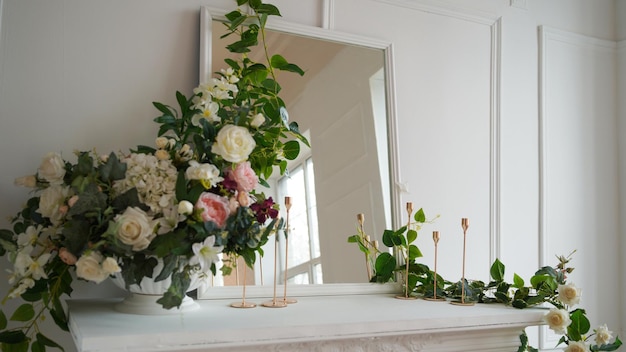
(162, 154)
(185, 207)
(257, 120)
(161, 142)
(29, 181)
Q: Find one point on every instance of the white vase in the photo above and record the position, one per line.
(142, 299)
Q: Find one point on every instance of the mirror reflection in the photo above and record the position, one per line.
(340, 106)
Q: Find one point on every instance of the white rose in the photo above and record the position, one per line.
(51, 200)
(257, 120)
(603, 335)
(234, 143)
(135, 228)
(110, 266)
(52, 168)
(29, 181)
(185, 207)
(89, 268)
(576, 346)
(569, 294)
(558, 320)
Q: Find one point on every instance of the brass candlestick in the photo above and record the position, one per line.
(287, 207)
(274, 303)
(465, 226)
(243, 303)
(434, 297)
(409, 210)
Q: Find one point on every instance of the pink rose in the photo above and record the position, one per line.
(245, 177)
(214, 208)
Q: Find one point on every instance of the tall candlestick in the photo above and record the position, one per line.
(434, 297)
(243, 303)
(464, 226)
(274, 303)
(287, 229)
(409, 210)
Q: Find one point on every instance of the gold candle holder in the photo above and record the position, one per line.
(243, 303)
(434, 297)
(409, 210)
(274, 303)
(288, 208)
(464, 226)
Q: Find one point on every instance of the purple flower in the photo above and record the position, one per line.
(264, 210)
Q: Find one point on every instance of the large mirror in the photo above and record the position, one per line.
(344, 104)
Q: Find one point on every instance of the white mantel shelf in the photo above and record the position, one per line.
(318, 323)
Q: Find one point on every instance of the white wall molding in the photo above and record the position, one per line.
(328, 14)
(495, 24)
(495, 133)
(445, 9)
(554, 42)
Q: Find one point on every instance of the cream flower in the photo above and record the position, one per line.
(29, 237)
(558, 320)
(205, 254)
(161, 142)
(154, 179)
(89, 267)
(205, 172)
(234, 143)
(135, 228)
(110, 266)
(51, 200)
(25, 265)
(21, 287)
(52, 168)
(569, 294)
(576, 346)
(603, 335)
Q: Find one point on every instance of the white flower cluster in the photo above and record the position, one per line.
(214, 89)
(558, 319)
(29, 261)
(154, 179)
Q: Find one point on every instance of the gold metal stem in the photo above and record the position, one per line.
(409, 210)
(465, 226)
(287, 229)
(273, 303)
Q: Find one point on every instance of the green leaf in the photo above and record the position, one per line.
(497, 270)
(25, 312)
(518, 282)
(113, 169)
(291, 150)
(268, 9)
(411, 236)
(385, 265)
(16, 347)
(414, 252)
(420, 216)
(47, 342)
(3, 321)
(171, 243)
(12, 337)
(580, 325)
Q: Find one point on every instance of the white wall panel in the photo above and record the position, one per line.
(579, 176)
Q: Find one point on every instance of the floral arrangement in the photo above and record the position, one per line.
(182, 202)
(548, 286)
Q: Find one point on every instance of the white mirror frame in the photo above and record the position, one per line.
(207, 15)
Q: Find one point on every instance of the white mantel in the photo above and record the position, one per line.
(322, 323)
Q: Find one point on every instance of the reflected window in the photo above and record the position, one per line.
(303, 261)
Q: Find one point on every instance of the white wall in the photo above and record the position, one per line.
(83, 74)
